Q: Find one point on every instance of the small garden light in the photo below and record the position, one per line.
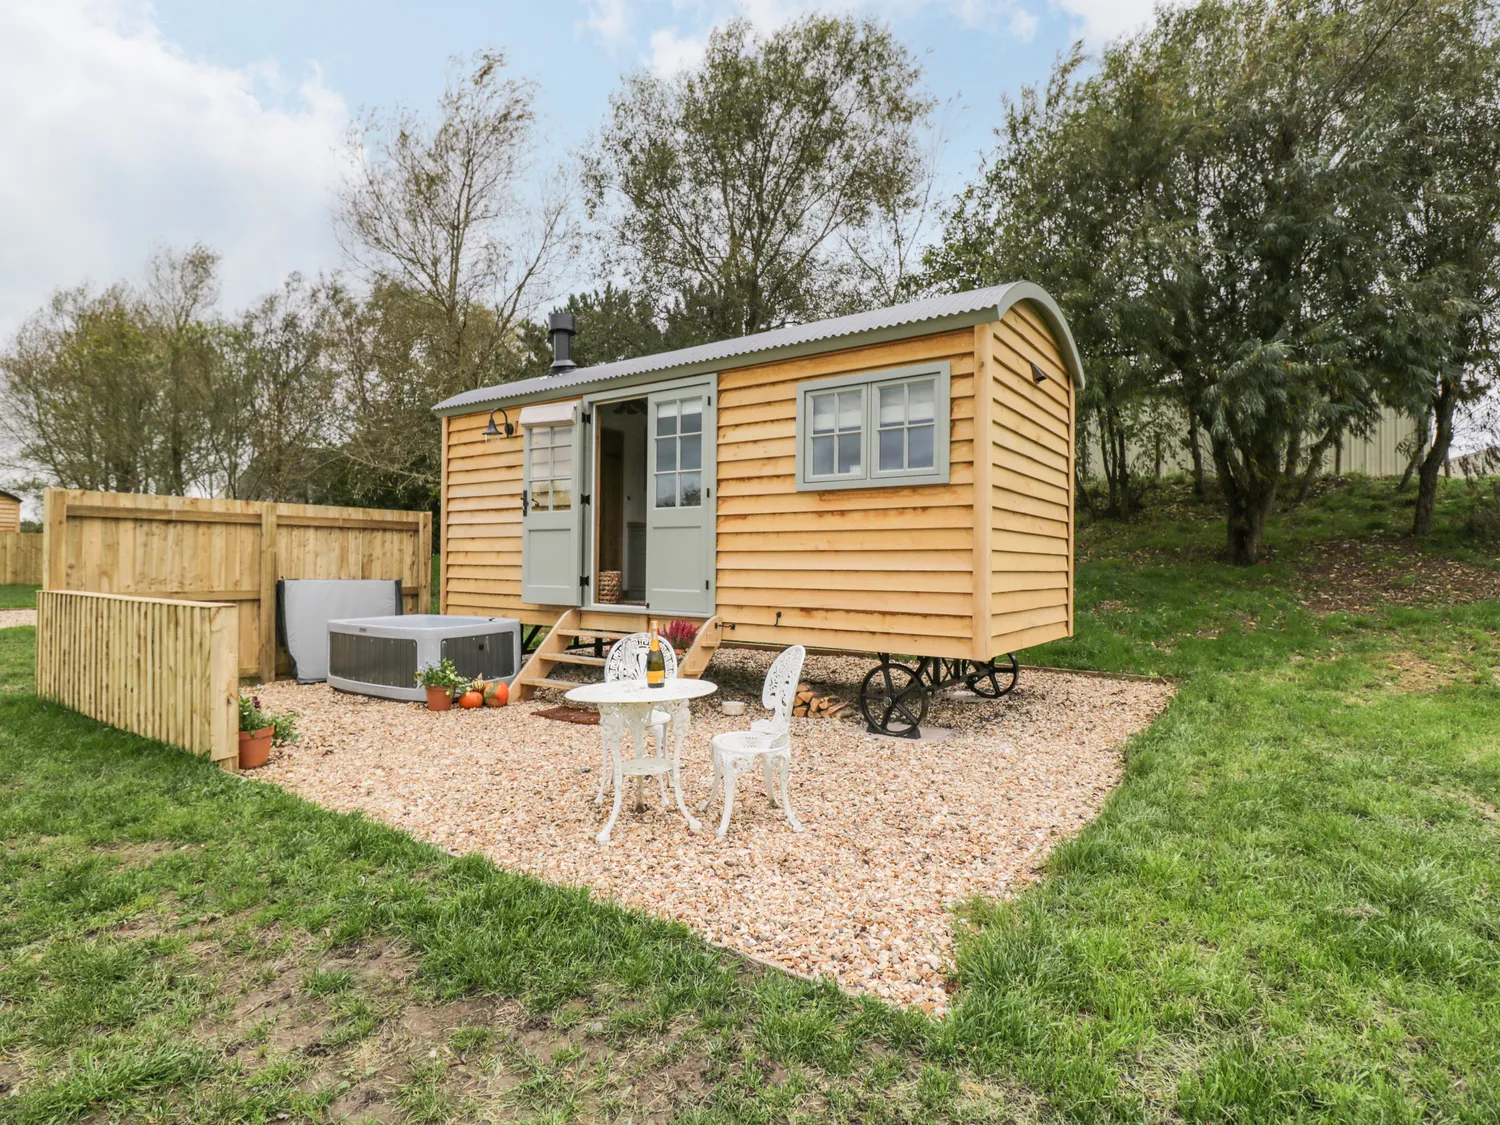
(494, 431)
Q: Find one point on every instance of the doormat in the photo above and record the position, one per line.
(581, 715)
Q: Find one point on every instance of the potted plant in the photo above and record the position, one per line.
(259, 730)
(679, 634)
(440, 680)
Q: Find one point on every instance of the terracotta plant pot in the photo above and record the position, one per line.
(439, 698)
(255, 747)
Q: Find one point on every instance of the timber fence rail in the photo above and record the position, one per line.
(233, 551)
(162, 668)
(20, 558)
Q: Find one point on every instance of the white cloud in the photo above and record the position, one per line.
(610, 20)
(672, 51)
(116, 144)
(1102, 20)
(1023, 25)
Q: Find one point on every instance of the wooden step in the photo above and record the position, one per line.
(602, 634)
(576, 658)
(544, 681)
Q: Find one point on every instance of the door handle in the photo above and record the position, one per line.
(525, 502)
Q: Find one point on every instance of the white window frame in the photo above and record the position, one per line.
(870, 475)
(533, 435)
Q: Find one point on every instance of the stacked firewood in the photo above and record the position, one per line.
(809, 704)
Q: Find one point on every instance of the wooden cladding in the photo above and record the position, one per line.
(1030, 556)
(160, 668)
(20, 558)
(229, 551)
(974, 567)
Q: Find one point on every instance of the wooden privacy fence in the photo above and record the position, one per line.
(20, 558)
(229, 551)
(162, 668)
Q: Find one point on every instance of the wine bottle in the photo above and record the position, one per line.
(656, 664)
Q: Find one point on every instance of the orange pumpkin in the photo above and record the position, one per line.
(470, 699)
(496, 694)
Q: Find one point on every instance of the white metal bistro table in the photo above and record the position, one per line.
(627, 704)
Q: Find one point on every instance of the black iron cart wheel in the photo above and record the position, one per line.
(893, 700)
(996, 678)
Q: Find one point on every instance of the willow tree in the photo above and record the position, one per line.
(737, 187)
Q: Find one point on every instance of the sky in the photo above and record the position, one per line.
(129, 126)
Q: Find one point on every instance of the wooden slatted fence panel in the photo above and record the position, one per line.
(20, 558)
(161, 668)
(229, 551)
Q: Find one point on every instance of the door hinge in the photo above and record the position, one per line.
(588, 417)
(584, 499)
(705, 583)
(583, 579)
(708, 494)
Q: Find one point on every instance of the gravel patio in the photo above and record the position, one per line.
(896, 833)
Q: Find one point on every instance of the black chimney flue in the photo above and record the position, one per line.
(563, 328)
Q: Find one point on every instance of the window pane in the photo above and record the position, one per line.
(822, 458)
(892, 405)
(920, 401)
(891, 450)
(690, 448)
(823, 411)
(562, 436)
(849, 453)
(919, 447)
(851, 410)
(541, 461)
(562, 496)
(692, 490)
(541, 494)
(692, 416)
(562, 462)
(666, 418)
(666, 454)
(666, 490)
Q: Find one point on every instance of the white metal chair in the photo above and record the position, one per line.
(768, 741)
(627, 661)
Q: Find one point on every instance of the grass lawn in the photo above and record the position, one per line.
(1288, 911)
(18, 597)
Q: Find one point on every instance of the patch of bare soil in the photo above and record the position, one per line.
(1358, 577)
(350, 1024)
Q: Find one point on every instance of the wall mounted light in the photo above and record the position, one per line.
(1037, 376)
(493, 430)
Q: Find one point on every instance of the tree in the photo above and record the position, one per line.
(444, 214)
(460, 246)
(79, 397)
(1441, 343)
(737, 187)
(1230, 239)
(177, 313)
(285, 388)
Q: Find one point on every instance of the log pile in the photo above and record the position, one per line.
(809, 704)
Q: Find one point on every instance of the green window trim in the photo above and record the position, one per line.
(850, 426)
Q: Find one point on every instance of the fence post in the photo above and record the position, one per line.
(224, 684)
(54, 540)
(270, 567)
(424, 563)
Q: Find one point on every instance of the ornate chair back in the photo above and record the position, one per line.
(780, 692)
(627, 659)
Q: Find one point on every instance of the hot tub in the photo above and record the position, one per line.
(381, 655)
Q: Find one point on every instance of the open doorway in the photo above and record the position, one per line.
(620, 513)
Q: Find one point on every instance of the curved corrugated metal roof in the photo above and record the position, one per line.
(975, 305)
